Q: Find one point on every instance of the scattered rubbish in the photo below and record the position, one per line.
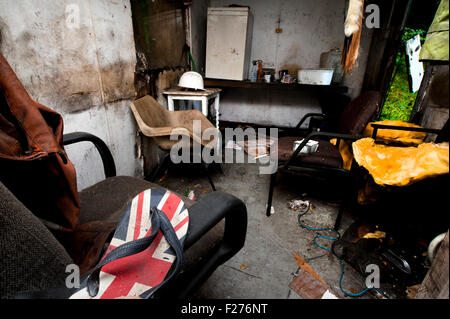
(243, 266)
(398, 261)
(257, 147)
(310, 147)
(309, 286)
(191, 195)
(297, 204)
(197, 185)
(162, 179)
(411, 291)
(233, 145)
(307, 268)
(376, 235)
(361, 232)
(261, 156)
(329, 295)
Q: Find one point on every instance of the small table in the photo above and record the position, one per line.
(200, 95)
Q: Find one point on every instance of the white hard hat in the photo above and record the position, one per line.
(191, 80)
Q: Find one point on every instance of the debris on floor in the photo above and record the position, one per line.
(258, 147)
(189, 194)
(308, 287)
(368, 232)
(163, 178)
(233, 145)
(401, 261)
(308, 284)
(306, 267)
(243, 266)
(377, 235)
(411, 291)
(298, 204)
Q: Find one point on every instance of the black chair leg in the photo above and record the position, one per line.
(273, 179)
(161, 168)
(220, 166)
(338, 221)
(209, 177)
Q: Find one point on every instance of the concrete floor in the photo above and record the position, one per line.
(265, 266)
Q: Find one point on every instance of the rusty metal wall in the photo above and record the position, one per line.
(159, 31)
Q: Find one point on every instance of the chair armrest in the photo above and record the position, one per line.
(308, 115)
(377, 127)
(322, 134)
(210, 210)
(108, 161)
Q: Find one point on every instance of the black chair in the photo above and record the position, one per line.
(327, 160)
(32, 259)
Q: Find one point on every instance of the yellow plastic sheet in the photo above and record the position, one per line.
(401, 166)
(405, 137)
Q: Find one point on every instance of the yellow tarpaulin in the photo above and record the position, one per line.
(401, 166)
(406, 137)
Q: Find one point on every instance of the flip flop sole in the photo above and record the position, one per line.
(136, 274)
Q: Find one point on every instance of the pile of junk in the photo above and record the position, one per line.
(401, 220)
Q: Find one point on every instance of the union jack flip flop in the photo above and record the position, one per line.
(146, 244)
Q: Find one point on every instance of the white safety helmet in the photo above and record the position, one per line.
(191, 80)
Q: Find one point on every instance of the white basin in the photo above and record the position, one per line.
(315, 76)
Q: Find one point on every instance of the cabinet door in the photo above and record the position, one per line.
(225, 45)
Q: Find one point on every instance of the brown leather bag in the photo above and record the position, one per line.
(33, 162)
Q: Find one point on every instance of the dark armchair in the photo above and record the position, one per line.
(327, 160)
(32, 259)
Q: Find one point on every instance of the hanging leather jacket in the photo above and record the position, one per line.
(33, 162)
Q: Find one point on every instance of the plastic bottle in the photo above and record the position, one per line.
(253, 71)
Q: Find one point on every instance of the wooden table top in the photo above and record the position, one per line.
(187, 92)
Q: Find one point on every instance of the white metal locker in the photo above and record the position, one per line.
(228, 43)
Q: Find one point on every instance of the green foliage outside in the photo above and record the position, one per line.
(399, 101)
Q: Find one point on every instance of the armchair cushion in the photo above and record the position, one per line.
(106, 200)
(98, 203)
(326, 155)
(30, 256)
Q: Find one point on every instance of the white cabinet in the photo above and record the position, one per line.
(228, 43)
